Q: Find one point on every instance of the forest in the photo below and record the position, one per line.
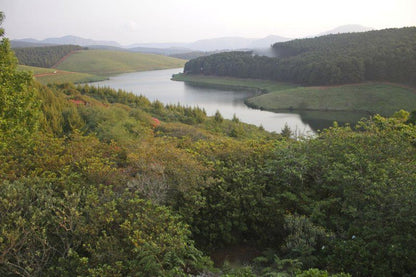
(384, 55)
(45, 56)
(99, 182)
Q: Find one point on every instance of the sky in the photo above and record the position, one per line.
(156, 21)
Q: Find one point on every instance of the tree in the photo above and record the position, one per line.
(286, 131)
(19, 108)
(218, 117)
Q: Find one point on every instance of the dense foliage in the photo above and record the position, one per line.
(385, 55)
(98, 182)
(45, 56)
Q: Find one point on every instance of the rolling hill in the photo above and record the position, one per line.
(106, 62)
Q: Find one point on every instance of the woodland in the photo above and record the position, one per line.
(99, 182)
(383, 55)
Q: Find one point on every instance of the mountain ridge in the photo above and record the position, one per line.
(204, 45)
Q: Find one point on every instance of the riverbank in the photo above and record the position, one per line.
(362, 98)
(260, 86)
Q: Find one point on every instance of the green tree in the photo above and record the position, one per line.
(218, 117)
(19, 107)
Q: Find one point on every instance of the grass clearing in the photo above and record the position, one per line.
(107, 62)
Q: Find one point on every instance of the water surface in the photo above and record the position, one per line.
(157, 85)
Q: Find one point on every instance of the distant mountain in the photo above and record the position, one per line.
(234, 43)
(160, 51)
(267, 41)
(74, 40)
(159, 45)
(352, 28)
(215, 44)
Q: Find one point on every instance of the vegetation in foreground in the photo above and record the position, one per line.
(97, 182)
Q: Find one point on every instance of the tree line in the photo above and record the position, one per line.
(45, 56)
(92, 185)
(385, 55)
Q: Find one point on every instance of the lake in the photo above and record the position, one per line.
(156, 85)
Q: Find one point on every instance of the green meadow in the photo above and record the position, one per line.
(107, 62)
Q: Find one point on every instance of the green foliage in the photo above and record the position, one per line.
(89, 230)
(304, 240)
(286, 131)
(19, 106)
(218, 117)
(314, 272)
(239, 207)
(359, 186)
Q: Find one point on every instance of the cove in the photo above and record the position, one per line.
(157, 85)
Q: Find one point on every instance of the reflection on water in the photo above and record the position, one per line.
(156, 85)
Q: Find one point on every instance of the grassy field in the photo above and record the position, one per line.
(365, 98)
(51, 75)
(106, 62)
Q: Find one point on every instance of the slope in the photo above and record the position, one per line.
(51, 75)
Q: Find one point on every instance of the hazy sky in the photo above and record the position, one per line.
(140, 21)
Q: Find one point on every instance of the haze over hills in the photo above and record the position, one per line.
(205, 45)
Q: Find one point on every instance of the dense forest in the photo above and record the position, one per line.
(385, 55)
(45, 56)
(98, 182)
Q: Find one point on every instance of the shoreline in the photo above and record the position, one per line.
(365, 98)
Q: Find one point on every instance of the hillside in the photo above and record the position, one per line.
(106, 62)
(51, 75)
(386, 55)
